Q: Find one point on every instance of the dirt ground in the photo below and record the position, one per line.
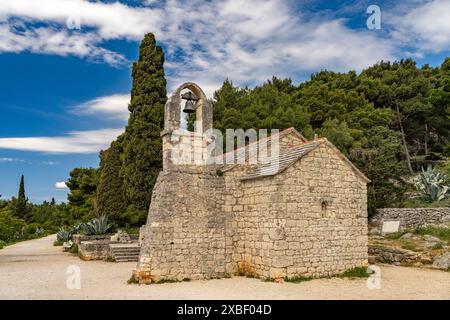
(36, 270)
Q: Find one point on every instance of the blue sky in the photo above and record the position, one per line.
(65, 64)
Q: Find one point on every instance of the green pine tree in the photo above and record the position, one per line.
(21, 205)
(142, 148)
(110, 198)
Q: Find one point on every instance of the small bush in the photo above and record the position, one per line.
(2, 244)
(110, 259)
(74, 249)
(133, 280)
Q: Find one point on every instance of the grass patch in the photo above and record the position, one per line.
(166, 281)
(133, 280)
(421, 203)
(298, 279)
(356, 272)
(442, 233)
(437, 246)
(57, 243)
(395, 235)
(110, 259)
(410, 246)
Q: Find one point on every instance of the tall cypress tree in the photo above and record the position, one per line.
(142, 148)
(21, 205)
(110, 197)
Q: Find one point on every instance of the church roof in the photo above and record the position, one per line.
(241, 152)
(289, 157)
(285, 160)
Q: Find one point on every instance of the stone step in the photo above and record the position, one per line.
(125, 253)
(127, 260)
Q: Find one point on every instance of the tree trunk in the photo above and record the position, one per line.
(426, 139)
(405, 146)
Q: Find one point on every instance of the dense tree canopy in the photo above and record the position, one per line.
(385, 119)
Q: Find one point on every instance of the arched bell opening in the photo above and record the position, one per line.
(187, 108)
(188, 99)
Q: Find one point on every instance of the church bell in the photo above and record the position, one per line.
(189, 106)
(191, 99)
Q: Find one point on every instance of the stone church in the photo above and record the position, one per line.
(307, 217)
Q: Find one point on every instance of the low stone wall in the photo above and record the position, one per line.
(393, 255)
(94, 250)
(77, 238)
(412, 217)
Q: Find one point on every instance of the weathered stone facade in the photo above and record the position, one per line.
(412, 217)
(307, 218)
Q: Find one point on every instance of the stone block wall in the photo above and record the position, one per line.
(94, 250)
(77, 238)
(310, 220)
(412, 217)
(185, 234)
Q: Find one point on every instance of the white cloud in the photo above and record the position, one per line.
(61, 185)
(11, 160)
(425, 27)
(74, 142)
(49, 40)
(250, 42)
(49, 163)
(245, 41)
(113, 106)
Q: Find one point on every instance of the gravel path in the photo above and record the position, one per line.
(36, 270)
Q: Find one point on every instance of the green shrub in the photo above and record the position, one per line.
(2, 244)
(74, 249)
(11, 228)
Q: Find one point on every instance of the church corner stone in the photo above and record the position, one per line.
(308, 220)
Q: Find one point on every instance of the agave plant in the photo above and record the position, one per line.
(98, 225)
(76, 228)
(63, 235)
(431, 184)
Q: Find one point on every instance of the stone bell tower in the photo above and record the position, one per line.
(185, 232)
(182, 147)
